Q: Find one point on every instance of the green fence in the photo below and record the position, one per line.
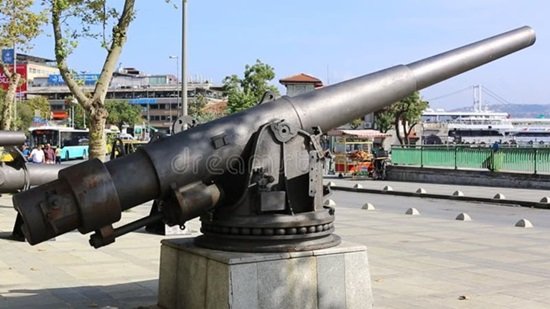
(527, 160)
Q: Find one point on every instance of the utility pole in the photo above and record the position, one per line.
(183, 57)
(177, 80)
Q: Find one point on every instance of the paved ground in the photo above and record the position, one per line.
(425, 261)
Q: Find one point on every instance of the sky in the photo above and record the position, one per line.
(333, 41)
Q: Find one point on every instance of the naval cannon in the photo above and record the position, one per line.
(254, 178)
(16, 175)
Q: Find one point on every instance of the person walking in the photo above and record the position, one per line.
(37, 155)
(26, 152)
(57, 155)
(49, 154)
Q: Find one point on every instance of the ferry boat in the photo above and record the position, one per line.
(482, 126)
(530, 131)
(477, 127)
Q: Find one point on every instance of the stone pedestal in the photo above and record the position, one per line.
(194, 277)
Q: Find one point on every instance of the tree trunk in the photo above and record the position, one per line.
(405, 133)
(396, 125)
(7, 117)
(98, 117)
(409, 132)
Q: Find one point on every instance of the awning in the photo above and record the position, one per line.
(59, 115)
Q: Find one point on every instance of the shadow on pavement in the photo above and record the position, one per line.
(142, 295)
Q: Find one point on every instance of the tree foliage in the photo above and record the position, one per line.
(246, 92)
(196, 106)
(40, 106)
(356, 123)
(404, 115)
(383, 120)
(27, 110)
(122, 112)
(93, 18)
(19, 25)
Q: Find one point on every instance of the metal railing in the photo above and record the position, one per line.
(526, 160)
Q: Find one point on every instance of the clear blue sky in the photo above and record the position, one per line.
(335, 41)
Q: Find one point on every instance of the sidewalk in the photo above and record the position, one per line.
(532, 195)
(416, 261)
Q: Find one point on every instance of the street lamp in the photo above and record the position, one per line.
(184, 57)
(73, 103)
(177, 79)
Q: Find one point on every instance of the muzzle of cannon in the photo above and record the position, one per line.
(254, 178)
(17, 175)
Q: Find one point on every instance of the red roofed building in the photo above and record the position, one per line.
(300, 83)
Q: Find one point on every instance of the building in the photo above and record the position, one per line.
(300, 83)
(29, 67)
(158, 95)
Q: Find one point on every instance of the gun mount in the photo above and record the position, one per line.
(254, 178)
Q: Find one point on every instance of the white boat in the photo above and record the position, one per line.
(476, 127)
(531, 134)
(482, 126)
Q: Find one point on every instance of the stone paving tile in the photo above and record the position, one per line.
(416, 262)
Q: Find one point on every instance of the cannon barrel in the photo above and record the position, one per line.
(14, 179)
(90, 196)
(12, 138)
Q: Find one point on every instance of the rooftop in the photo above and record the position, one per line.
(302, 78)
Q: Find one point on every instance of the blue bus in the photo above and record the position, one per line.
(72, 142)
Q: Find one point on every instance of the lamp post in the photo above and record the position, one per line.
(183, 57)
(179, 93)
(73, 103)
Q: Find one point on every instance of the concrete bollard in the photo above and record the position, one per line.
(463, 217)
(412, 212)
(458, 193)
(421, 191)
(524, 223)
(357, 186)
(368, 206)
(499, 196)
(387, 188)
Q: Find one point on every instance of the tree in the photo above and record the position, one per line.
(383, 120)
(122, 112)
(356, 123)
(248, 91)
(402, 115)
(19, 25)
(407, 112)
(41, 106)
(90, 15)
(199, 110)
(27, 110)
(81, 119)
(196, 106)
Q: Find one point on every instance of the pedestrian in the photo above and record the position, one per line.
(495, 146)
(57, 155)
(26, 152)
(49, 154)
(37, 155)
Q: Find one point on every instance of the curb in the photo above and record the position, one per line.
(448, 197)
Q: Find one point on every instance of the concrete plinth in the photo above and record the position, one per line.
(194, 277)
